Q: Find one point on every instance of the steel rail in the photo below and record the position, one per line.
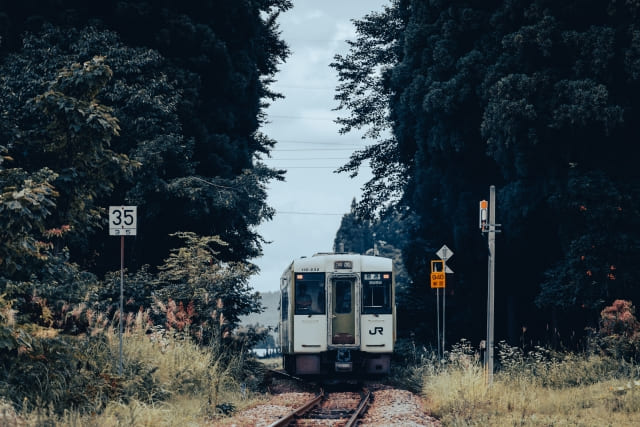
(362, 406)
(287, 375)
(284, 421)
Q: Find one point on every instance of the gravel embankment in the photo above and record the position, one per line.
(390, 407)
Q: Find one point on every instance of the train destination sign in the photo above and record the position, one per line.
(342, 265)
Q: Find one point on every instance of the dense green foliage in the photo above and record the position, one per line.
(189, 86)
(153, 105)
(537, 98)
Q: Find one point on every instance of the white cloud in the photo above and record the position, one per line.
(301, 18)
(344, 31)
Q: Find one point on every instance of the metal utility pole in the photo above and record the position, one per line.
(491, 231)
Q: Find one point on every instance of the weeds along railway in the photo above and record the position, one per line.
(337, 315)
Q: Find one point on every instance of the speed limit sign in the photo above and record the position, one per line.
(122, 220)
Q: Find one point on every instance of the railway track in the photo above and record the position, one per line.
(337, 408)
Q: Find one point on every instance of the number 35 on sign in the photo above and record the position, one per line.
(122, 220)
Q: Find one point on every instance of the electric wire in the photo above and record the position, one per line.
(308, 158)
(309, 213)
(299, 141)
(311, 150)
(279, 116)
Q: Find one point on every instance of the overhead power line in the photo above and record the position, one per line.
(304, 87)
(309, 213)
(298, 141)
(309, 158)
(300, 117)
(311, 149)
(309, 167)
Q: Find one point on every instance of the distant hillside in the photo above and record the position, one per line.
(270, 300)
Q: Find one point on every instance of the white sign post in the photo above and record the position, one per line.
(122, 222)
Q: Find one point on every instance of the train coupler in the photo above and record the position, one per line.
(343, 361)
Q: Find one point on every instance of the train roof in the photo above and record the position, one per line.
(325, 262)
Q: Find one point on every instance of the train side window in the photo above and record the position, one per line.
(376, 293)
(284, 306)
(310, 293)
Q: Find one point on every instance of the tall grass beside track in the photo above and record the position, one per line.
(540, 388)
(190, 386)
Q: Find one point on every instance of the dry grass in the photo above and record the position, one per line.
(182, 366)
(186, 410)
(272, 362)
(190, 377)
(460, 403)
(457, 394)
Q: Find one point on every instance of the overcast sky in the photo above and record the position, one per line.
(312, 200)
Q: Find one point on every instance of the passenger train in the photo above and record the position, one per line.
(337, 314)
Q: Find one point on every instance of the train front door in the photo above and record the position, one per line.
(343, 324)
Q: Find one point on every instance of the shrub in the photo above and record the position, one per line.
(456, 386)
(619, 333)
(57, 373)
(548, 368)
(411, 363)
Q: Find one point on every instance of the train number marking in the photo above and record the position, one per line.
(376, 330)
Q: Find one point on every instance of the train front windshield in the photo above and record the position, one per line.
(376, 293)
(310, 293)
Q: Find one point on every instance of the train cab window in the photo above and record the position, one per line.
(343, 296)
(309, 293)
(376, 293)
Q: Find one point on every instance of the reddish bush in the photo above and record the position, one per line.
(619, 319)
(619, 332)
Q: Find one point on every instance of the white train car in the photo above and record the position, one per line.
(337, 314)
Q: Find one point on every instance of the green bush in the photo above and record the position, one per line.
(549, 368)
(410, 364)
(57, 373)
